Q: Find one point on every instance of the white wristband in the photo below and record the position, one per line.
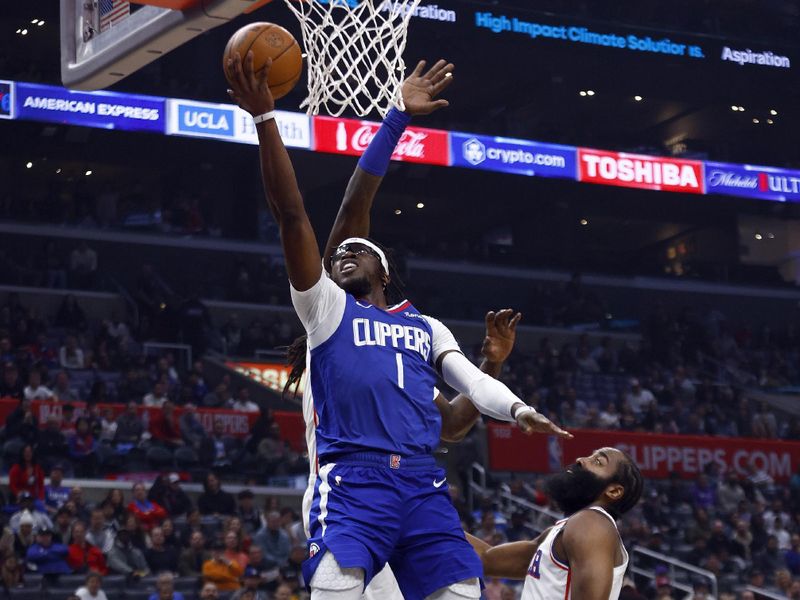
(265, 117)
(523, 409)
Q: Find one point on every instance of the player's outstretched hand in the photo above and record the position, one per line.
(534, 422)
(501, 331)
(250, 91)
(420, 89)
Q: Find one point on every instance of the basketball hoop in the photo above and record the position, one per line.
(354, 53)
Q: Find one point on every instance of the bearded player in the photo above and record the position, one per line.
(581, 556)
(379, 497)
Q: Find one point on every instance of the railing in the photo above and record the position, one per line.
(762, 593)
(171, 346)
(675, 567)
(478, 486)
(544, 517)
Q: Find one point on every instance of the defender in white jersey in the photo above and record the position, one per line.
(582, 555)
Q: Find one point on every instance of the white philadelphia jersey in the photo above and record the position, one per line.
(548, 578)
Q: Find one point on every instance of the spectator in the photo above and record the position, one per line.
(83, 266)
(243, 402)
(52, 442)
(28, 509)
(274, 541)
(292, 572)
(49, 558)
(26, 475)
(284, 592)
(125, 558)
(220, 571)
(11, 573)
(219, 449)
(148, 513)
(219, 398)
(251, 582)
(164, 427)
(11, 386)
(63, 392)
(23, 536)
(192, 430)
(62, 529)
(293, 526)
(55, 494)
(137, 532)
(71, 356)
(100, 533)
(246, 511)
(92, 589)
(68, 420)
(209, 591)
(114, 504)
(730, 493)
(256, 560)
(639, 398)
(167, 492)
(130, 426)
(213, 500)
(770, 559)
(157, 397)
(159, 556)
(165, 588)
(22, 424)
(703, 493)
(83, 557)
(783, 536)
(233, 550)
(35, 390)
(82, 448)
(71, 316)
(190, 563)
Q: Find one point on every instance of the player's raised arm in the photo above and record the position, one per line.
(419, 90)
(590, 543)
(460, 414)
(300, 248)
(490, 397)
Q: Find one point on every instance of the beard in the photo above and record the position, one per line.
(576, 490)
(358, 287)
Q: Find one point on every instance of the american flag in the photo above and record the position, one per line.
(113, 11)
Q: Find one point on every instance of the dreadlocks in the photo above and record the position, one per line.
(296, 351)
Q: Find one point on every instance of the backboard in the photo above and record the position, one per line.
(104, 41)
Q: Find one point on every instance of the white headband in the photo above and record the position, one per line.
(372, 246)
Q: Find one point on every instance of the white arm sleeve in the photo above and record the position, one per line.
(490, 397)
(443, 339)
(320, 309)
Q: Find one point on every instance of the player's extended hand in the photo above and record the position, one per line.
(250, 91)
(533, 422)
(501, 331)
(420, 89)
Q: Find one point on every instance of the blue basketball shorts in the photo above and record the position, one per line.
(373, 508)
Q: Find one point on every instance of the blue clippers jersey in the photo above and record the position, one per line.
(372, 382)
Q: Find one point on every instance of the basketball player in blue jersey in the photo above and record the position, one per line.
(581, 556)
(379, 497)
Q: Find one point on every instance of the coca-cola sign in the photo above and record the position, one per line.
(349, 136)
(640, 171)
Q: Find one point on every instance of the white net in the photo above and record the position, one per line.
(354, 53)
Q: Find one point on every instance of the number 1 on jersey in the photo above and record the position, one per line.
(400, 381)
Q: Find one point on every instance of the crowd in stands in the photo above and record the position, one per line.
(155, 543)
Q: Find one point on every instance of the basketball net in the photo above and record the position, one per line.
(354, 53)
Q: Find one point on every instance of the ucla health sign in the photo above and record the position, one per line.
(507, 155)
(104, 110)
(232, 124)
(748, 181)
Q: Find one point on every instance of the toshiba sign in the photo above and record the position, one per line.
(348, 136)
(640, 171)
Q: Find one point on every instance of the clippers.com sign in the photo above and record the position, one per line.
(349, 136)
(640, 171)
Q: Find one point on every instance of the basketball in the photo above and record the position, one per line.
(268, 40)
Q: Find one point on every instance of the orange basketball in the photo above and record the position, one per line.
(268, 40)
